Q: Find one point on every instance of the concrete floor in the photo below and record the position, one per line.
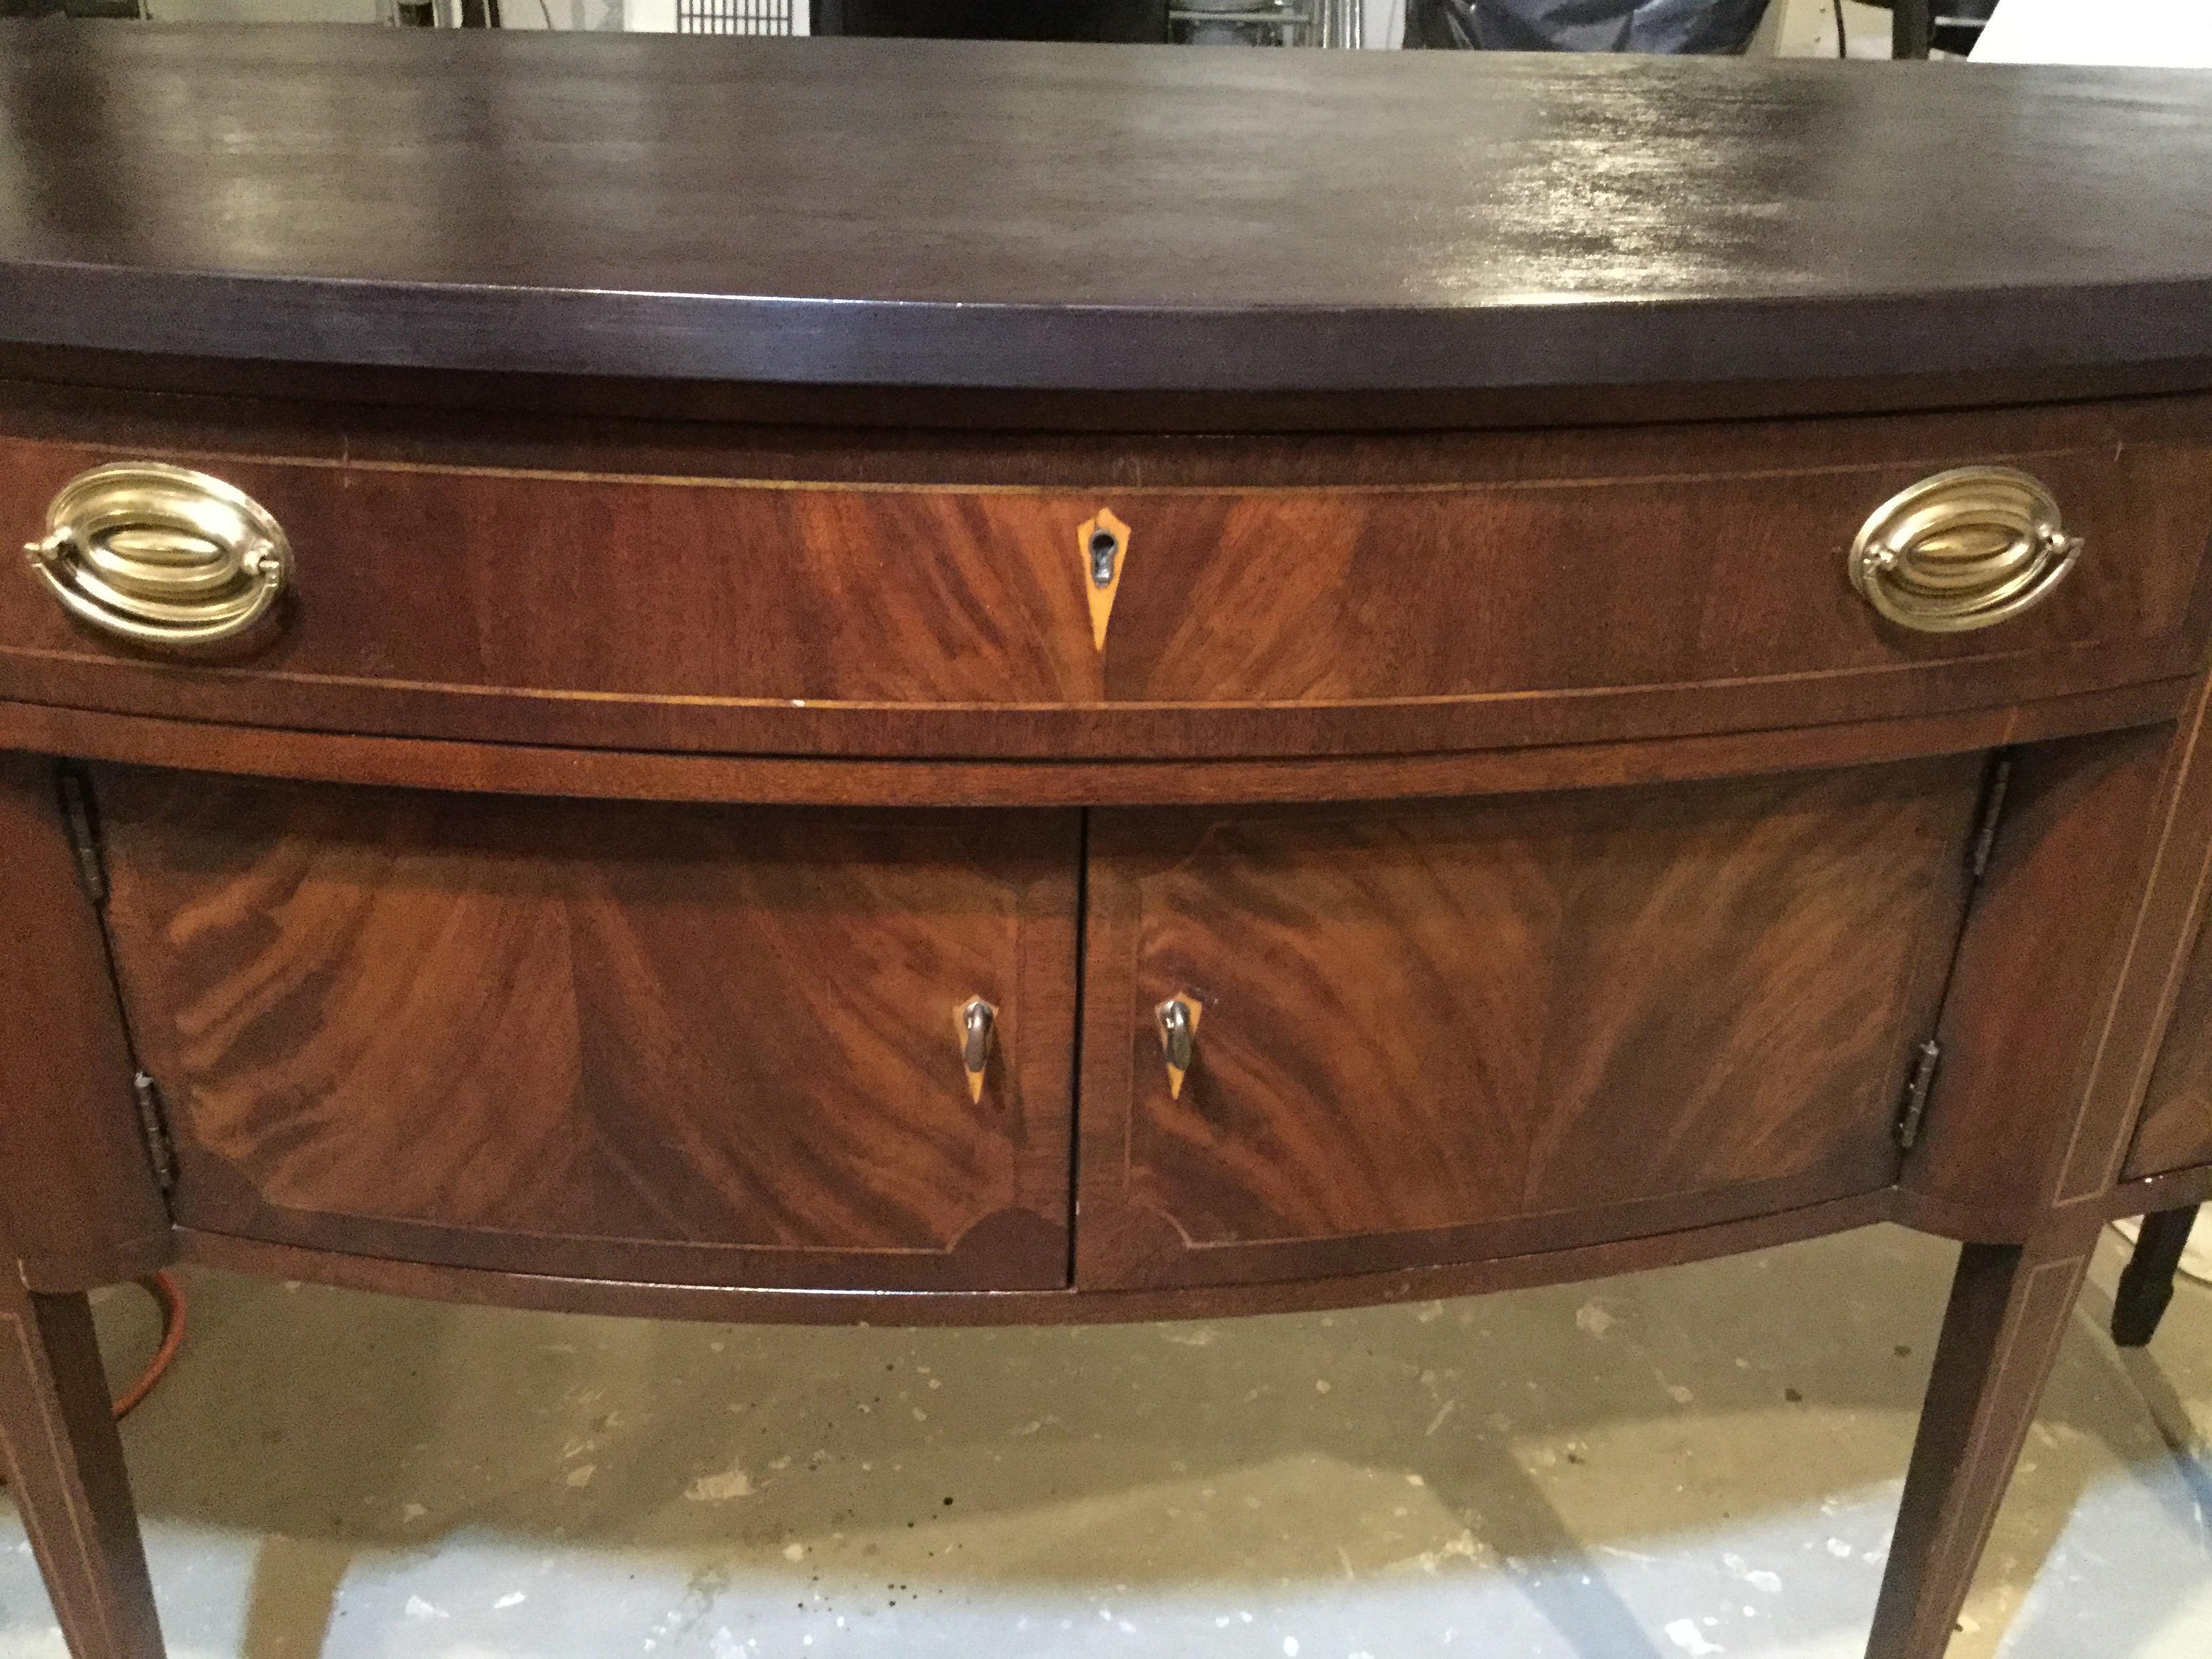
(1699, 1462)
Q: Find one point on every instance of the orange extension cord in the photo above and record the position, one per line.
(165, 1290)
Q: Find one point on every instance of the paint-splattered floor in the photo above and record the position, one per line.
(1699, 1462)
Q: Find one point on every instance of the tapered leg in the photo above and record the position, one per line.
(2008, 1309)
(1911, 27)
(2147, 1284)
(64, 1462)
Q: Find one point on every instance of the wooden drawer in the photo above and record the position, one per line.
(1550, 589)
(1427, 1034)
(676, 1044)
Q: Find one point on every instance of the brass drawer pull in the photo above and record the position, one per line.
(1962, 549)
(975, 1018)
(161, 555)
(1179, 1016)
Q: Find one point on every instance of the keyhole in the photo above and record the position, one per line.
(1104, 544)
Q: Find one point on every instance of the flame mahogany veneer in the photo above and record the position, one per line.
(710, 832)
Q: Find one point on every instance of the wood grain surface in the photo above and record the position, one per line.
(64, 1461)
(709, 1043)
(1546, 1015)
(79, 1205)
(1649, 868)
(2175, 1132)
(1092, 219)
(622, 775)
(2018, 1121)
(2009, 1311)
(1514, 1270)
(1569, 590)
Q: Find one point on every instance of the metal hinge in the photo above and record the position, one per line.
(1985, 829)
(159, 1150)
(1916, 1087)
(84, 835)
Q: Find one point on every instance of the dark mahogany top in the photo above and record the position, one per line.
(1092, 219)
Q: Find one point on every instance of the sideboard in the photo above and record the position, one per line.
(875, 681)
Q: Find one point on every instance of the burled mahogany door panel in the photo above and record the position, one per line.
(1488, 1026)
(687, 1044)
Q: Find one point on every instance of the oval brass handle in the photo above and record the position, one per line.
(161, 555)
(975, 1018)
(1962, 549)
(1179, 1016)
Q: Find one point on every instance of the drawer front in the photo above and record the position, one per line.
(1482, 1028)
(1571, 587)
(686, 1045)
(1662, 593)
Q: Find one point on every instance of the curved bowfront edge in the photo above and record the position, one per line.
(1472, 226)
(1522, 1270)
(524, 1290)
(1525, 1270)
(928, 600)
(607, 774)
(1919, 344)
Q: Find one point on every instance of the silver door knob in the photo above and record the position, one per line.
(1178, 1016)
(977, 1018)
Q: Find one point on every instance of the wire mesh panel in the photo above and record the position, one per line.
(733, 16)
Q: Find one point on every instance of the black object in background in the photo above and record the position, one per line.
(1916, 26)
(1662, 25)
(997, 19)
(69, 9)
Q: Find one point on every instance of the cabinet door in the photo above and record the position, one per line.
(1437, 1032)
(687, 1044)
